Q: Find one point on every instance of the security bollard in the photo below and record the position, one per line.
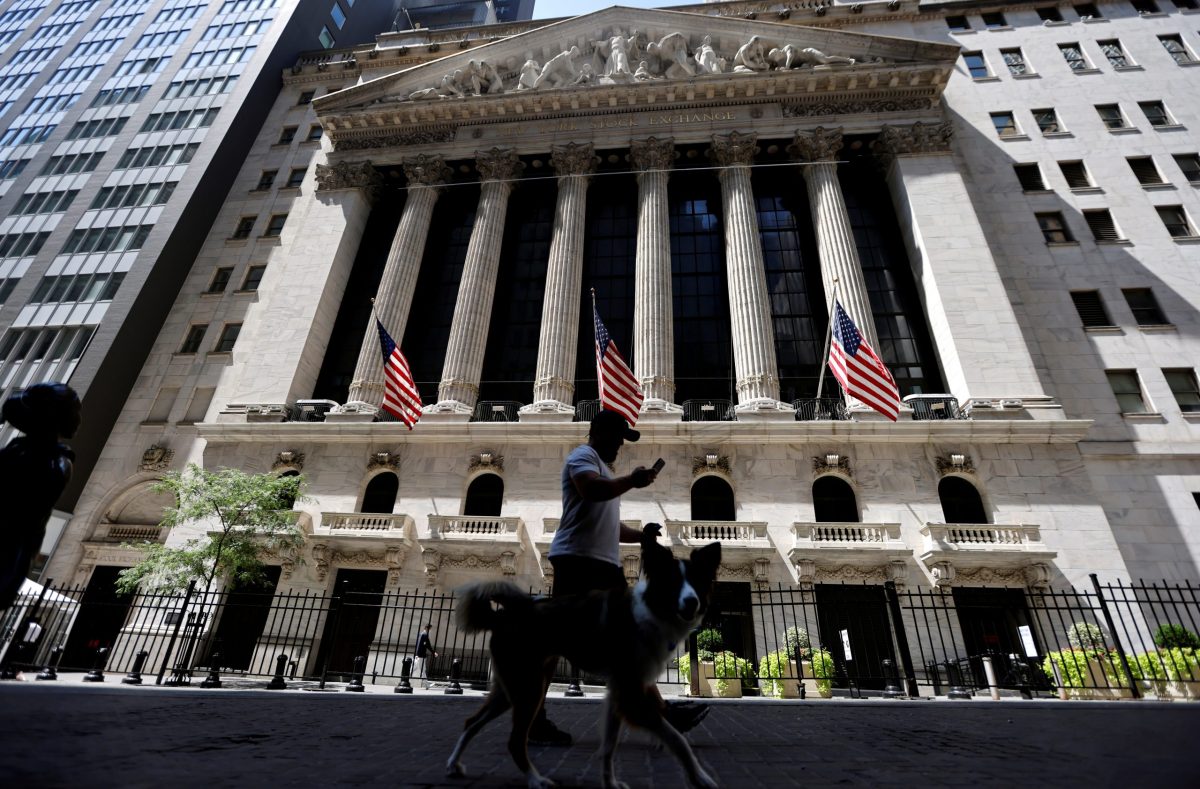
(293, 666)
(356, 683)
(213, 680)
(97, 672)
(50, 672)
(454, 689)
(134, 677)
(989, 671)
(855, 690)
(405, 672)
(277, 682)
(892, 689)
(955, 681)
(573, 690)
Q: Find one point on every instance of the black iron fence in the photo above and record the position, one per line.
(1108, 641)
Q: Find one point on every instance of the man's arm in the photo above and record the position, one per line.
(593, 487)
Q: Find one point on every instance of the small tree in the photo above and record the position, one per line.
(251, 515)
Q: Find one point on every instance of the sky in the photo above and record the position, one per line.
(551, 9)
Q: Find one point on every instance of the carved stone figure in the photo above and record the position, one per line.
(559, 70)
(643, 72)
(706, 57)
(618, 50)
(789, 57)
(587, 76)
(447, 88)
(751, 57)
(529, 75)
(672, 54)
(489, 78)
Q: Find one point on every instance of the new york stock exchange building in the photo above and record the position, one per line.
(713, 174)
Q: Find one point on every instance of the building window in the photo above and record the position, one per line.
(834, 501)
(195, 336)
(1115, 53)
(1030, 176)
(1189, 165)
(326, 38)
(1091, 309)
(1076, 175)
(994, 20)
(1128, 391)
(339, 16)
(961, 502)
(1144, 170)
(1088, 11)
(958, 23)
(228, 338)
(1185, 5)
(306, 97)
(712, 500)
(485, 496)
(1006, 124)
(314, 133)
(380, 495)
(244, 226)
(254, 276)
(1156, 113)
(1183, 385)
(220, 279)
(1144, 307)
(287, 135)
(1145, 6)
(1047, 120)
(265, 180)
(1073, 54)
(1176, 221)
(1050, 14)
(1177, 49)
(296, 177)
(1102, 226)
(1054, 227)
(1112, 116)
(1015, 60)
(275, 226)
(976, 64)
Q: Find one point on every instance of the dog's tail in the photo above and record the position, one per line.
(477, 604)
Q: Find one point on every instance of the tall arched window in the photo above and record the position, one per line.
(834, 500)
(712, 500)
(961, 502)
(380, 495)
(484, 495)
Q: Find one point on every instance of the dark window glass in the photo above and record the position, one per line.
(1145, 6)
(1088, 11)
(306, 97)
(1176, 49)
(1047, 120)
(314, 133)
(1054, 227)
(1111, 115)
(1144, 170)
(195, 336)
(1189, 5)
(275, 226)
(834, 501)
(380, 495)
(1155, 112)
(1144, 306)
(1127, 390)
(995, 19)
(1030, 176)
(254, 276)
(1015, 60)
(976, 64)
(1114, 52)
(1175, 220)
(485, 496)
(228, 338)
(244, 226)
(1050, 14)
(1183, 386)
(1189, 165)
(265, 180)
(1101, 223)
(712, 500)
(961, 502)
(220, 279)
(1090, 307)
(1073, 54)
(296, 177)
(1005, 123)
(1075, 174)
(287, 135)
(958, 23)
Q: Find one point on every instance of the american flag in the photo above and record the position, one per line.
(619, 390)
(859, 370)
(400, 396)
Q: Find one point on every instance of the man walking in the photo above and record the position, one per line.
(424, 650)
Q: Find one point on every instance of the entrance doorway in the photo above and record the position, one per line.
(993, 623)
(350, 631)
(730, 612)
(101, 616)
(242, 620)
(854, 627)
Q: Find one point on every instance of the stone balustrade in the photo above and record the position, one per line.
(984, 537)
(840, 535)
(735, 532)
(343, 522)
(474, 527)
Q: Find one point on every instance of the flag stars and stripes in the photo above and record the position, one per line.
(619, 390)
(400, 396)
(859, 370)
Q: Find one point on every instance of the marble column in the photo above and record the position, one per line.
(393, 299)
(458, 390)
(558, 341)
(755, 368)
(653, 310)
(983, 351)
(818, 149)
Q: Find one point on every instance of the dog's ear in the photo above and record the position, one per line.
(707, 559)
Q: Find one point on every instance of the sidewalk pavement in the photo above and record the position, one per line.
(68, 734)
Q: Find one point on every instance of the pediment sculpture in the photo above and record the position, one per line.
(622, 58)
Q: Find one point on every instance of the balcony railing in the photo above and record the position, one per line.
(496, 411)
(473, 527)
(959, 536)
(934, 406)
(125, 532)
(718, 531)
(815, 409)
(866, 535)
(708, 411)
(336, 522)
(585, 410)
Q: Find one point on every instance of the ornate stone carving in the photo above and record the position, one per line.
(433, 562)
(632, 565)
(993, 575)
(389, 460)
(954, 462)
(670, 56)
(897, 573)
(818, 145)
(834, 108)
(618, 52)
(288, 458)
(652, 153)
(762, 572)
(498, 164)
(707, 58)
(1037, 576)
(806, 573)
(558, 72)
(573, 159)
(919, 138)
(320, 555)
(393, 557)
(357, 558)
(831, 463)
(156, 458)
(751, 57)
(709, 462)
(487, 459)
(733, 149)
(790, 57)
(425, 170)
(397, 139)
(347, 175)
(943, 574)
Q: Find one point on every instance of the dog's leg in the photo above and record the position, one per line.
(608, 749)
(526, 703)
(646, 713)
(493, 708)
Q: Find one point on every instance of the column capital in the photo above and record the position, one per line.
(652, 153)
(917, 138)
(498, 164)
(426, 170)
(573, 159)
(818, 145)
(348, 175)
(733, 149)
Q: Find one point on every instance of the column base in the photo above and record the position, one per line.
(764, 409)
(656, 410)
(546, 411)
(354, 411)
(447, 411)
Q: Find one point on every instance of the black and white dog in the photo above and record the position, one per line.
(627, 636)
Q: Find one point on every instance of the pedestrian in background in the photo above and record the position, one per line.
(424, 650)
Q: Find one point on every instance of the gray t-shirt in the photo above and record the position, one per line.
(588, 528)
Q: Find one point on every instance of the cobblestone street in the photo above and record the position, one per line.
(70, 735)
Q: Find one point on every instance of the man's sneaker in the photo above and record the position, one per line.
(544, 732)
(685, 715)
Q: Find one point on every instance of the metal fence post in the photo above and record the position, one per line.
(910, 674)
(1112, 628)
(187, 597)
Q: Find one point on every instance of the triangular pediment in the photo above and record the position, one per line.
(593, 60)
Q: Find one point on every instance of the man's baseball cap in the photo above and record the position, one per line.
(610, 422)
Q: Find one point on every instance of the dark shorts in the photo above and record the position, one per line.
(581, 574)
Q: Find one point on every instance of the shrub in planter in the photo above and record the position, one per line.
(1086, 636)
(709, 640)
(772, 669)
(1181, 664)
(1083, 668)
(728, 666)
(1170, 635)
(823, 671)
(797, 643)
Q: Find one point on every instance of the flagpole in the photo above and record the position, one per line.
(828, 339)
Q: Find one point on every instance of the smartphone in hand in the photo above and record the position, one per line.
(658, 465)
